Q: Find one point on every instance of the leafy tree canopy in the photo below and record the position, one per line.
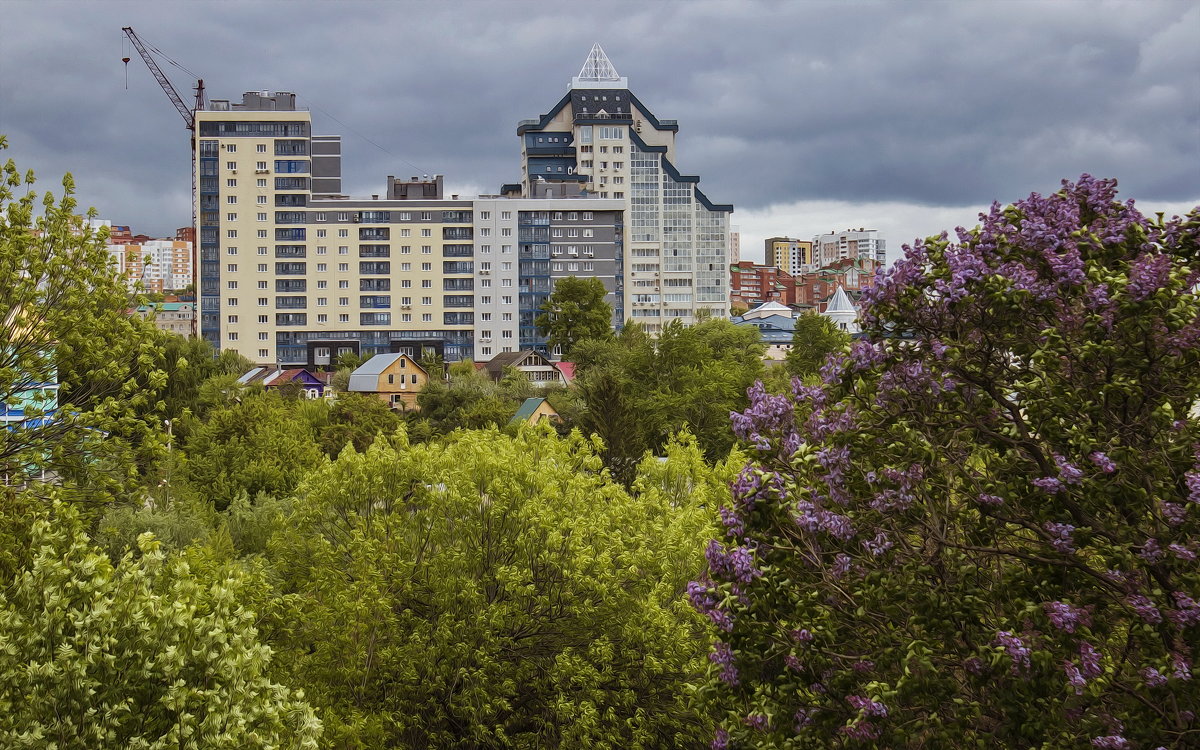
(576, 310)
(982, 528)
(142, 654)
(496, 591)
(814, 338)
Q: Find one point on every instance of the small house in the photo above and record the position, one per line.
(534, 410)
(395, 378)
(270, 377)
(540, 370)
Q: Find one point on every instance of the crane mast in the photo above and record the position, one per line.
(189, 119)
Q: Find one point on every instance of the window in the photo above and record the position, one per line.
(587, 215)
(263, 335)
(506, 248)
(322, 250)
(322, 284)
(264, 353)
(406, 233)
(343, 301)
(406, 266)
(231, 182)
(589, 233)
(231, 217)
(262, 234)
(320, 233)
(231, 234)
(262, 216)
(232, 284)
(426, 283)
(427, 300)
(263, 318)
(343, 249)
(485, 300)
(262, 301)
(506, 316)
(426, 266)
(485, 214)
(262, 148)
(428, 318)
(426, 249)
(426, 232)
(406, 283)
(233, 319)
(322, 267)
(343, 266)
(231, 147)
(231, 250)
(322, 318)
(506, 265)
(406, 317)
(485, 316)
(426, 216)
(233, 336)
(556, 232)
(485, 232)
(260, 165)
(506, 334)
(406, 300)
(506, 215)
(603, 150)
(231, 165)
(322, 301)
(262, 285)
(405, 249)
(487, 350)
(262, 251)
(343, 284)
(506, 299)
(485, 249)
(262, 267)
(506, 232)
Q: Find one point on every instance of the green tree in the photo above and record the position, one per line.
(258, 444)
(85, 373)
(469, 400)
(989, 509)
(356, 419)
(496, 591)
(141, 654)
(814, 338)
(575, 311)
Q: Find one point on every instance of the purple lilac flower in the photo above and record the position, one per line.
(1049, 485)
(732, 520)
(989, 500)
(1151, 551)
(803, 718)
(1015, 648)
(1181, 552)
(1149, 274)
(736, 564)
(792, 662)
(1069, 472)
(1144, 608)
(1074, 677)
(1181, 669)
(1089, 659)
(801, 636)
(1187, 612)
(1066, 617)
(863, 666)
(756, 721)
(720, 740)
(1153, 678)
(867, 706)
(1193, 484)
(865, 355)
(1103, 462)
(974, 665)
(1173, 513)
(704, 600)
(1061, 536)
(938, 348)
(722, 654)
(841, 565)
(1111, 742)
(813, 519)
(878, 545)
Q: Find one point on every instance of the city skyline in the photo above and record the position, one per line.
(903, 119)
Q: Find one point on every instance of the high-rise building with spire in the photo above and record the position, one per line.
(600, 139)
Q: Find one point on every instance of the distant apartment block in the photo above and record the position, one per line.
(753, 284)
(850, 243)
(173, 317)
(157, 265)
(791, 255)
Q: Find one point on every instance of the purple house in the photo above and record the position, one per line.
(269, 377)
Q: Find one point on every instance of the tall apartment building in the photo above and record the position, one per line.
(599, 139)
(850, 243)
(293, 272)
(789, 254)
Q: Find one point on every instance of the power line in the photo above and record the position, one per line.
(368, 140)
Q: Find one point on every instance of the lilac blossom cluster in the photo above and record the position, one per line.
(1017, 651)
(1066, 617)
(1062, 536)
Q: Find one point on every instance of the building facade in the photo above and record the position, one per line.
(790, 254)
(848, 244)
(599, 139)
(292, 271)
(158, 265)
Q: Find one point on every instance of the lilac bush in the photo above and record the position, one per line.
(982, 527)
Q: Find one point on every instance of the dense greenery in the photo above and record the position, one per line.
(982, 528)
(575, 311)
(815, 337)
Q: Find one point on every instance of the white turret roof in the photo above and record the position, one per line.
(840, 303)
(598, 72)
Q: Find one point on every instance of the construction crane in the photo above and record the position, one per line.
(189, 119)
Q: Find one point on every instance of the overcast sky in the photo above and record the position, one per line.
(908, 117)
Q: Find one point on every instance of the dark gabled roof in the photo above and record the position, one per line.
(495, 366)
(527, 409)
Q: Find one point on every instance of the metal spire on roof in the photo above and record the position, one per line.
(598, 72)
(840, 302)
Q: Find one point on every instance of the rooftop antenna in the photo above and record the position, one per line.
(598, 72)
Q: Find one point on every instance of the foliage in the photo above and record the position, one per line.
(982, 529)
(813, 340)
(638, 391)
(143, 654)
(575, 311)
(470, 399)
(62, 321)
(496, 591)
(356, 419)
(259, 443)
